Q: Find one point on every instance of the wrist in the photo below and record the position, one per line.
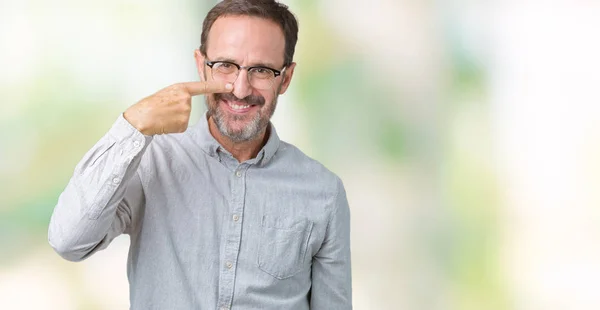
(130, 116)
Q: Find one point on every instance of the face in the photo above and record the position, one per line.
(244, 114)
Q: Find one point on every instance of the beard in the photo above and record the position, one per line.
(254, 124)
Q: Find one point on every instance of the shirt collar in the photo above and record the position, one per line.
(209, 144)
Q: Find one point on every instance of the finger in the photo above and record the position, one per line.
(209, 87)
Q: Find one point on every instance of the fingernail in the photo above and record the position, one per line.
(228, 86)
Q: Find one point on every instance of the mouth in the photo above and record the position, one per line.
(237, 106)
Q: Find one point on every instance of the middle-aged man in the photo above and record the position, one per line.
(221, 215)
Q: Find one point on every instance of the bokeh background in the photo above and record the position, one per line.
(467, 134)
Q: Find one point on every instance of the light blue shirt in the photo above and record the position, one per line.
(208, 232)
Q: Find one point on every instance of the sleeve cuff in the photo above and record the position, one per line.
(123, 131)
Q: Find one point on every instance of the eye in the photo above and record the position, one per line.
(225, 67)
(262, 72)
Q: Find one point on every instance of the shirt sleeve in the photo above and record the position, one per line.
(331, 268)
(103, 197)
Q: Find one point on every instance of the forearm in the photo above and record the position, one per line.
(90, 209)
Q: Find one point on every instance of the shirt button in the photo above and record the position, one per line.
(116, 180)
(136, 143)
(238, 173)
(229, 265)
(236, 217)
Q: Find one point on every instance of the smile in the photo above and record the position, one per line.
(237, 108)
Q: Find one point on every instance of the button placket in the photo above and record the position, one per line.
(232, 245)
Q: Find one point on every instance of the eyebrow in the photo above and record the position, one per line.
(266, 65)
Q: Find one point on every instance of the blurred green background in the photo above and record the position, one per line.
(466, 134)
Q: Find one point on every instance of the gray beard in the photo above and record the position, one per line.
(251, 131)
(248, 133)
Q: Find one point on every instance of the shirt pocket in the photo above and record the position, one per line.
(283, 244)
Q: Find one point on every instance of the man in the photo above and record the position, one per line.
(222, 215)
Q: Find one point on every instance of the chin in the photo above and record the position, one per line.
(239, 131)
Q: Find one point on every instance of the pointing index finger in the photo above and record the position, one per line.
(208, 87)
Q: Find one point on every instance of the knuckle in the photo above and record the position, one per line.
(165, 90)
(172, 90)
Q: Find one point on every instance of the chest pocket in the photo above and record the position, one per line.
(283, 244)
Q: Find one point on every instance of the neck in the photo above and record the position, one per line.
(241, 151)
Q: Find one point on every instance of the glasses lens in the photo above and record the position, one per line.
(261, 78)
(223, 71)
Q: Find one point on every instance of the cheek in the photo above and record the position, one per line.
(211, 99)
(269, 96)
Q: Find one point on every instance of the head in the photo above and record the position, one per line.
(257, 35)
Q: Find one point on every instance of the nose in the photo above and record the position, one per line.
(241, 86)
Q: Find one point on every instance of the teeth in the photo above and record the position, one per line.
(238, 107)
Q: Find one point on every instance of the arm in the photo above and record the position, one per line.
(103, 196)
(331, 268)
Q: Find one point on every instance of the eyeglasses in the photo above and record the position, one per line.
(259, 77)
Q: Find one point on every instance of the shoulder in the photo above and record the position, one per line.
(173, 142)
(294, 160)
(171, 151)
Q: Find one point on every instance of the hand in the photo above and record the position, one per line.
(168, 110)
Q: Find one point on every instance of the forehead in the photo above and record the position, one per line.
(246, 40)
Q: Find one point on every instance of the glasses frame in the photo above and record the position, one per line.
(276, 72)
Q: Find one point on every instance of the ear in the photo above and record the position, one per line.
(287, 77)
(199, 64)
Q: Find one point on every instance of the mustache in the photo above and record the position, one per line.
(249, 100)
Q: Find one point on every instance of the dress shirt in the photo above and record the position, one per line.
(206, 231)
